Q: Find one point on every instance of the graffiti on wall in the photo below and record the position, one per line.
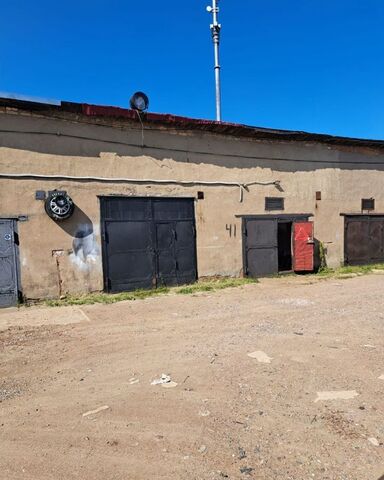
(86, 251)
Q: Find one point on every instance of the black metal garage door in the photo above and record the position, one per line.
(148, 242)
(364, 239)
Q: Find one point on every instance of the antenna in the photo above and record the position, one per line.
(215, 29)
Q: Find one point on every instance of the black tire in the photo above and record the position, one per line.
(59, 206)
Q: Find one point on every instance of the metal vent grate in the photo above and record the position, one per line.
(367, 204)
(274, 203)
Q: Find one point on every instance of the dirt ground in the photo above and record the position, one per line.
(230, 415)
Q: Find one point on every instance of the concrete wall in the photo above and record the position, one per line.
(66, 257)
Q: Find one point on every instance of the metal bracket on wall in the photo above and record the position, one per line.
(19, 218)
(40, 195)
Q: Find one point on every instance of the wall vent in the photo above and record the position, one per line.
(274, 203)
(367, 204)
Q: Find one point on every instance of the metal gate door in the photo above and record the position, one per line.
(364, 239)
(148, 242)
(8, 264)
(261, 253)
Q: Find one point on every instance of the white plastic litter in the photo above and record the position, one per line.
(260, 356)
(165, 381)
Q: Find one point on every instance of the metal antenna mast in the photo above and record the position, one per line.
(215, 29)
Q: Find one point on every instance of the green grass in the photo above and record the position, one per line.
(349, 271)
(204, 285)
(216, 284)
(106, 298)
(99, 297)
(341, 272)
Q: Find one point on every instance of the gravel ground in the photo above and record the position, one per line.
(77, 400)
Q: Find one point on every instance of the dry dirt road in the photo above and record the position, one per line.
(230, 415)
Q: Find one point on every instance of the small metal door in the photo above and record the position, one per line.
(185, 251)
(165, 251)
(8, 264)
(175, 251)
(261, 253)
(130, 255)
(376, 240)
(303, 247)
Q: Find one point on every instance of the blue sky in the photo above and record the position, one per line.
(291, 64)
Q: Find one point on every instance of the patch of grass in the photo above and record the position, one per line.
(215, 284)
(349, 271)
(99, 297)
(325, 272)
(341, 272)
(106, 298)
(361, 268)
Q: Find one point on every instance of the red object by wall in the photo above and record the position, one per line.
(303, 247)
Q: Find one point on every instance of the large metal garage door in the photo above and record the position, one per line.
(148, 242)
(364, 239)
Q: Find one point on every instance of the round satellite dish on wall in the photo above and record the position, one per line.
(59, 205)
(139, 101)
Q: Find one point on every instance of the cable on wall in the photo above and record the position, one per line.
(242, 186)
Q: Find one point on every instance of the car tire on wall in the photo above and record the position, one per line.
(59, 205)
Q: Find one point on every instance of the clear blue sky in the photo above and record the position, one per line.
(292, 64)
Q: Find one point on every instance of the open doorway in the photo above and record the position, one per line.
(277, 243)
(284, 245)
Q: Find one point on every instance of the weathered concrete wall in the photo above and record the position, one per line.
(66, 257)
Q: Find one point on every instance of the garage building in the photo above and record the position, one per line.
(104, 198)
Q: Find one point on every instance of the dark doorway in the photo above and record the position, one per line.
(148, 242)
(284, 246)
